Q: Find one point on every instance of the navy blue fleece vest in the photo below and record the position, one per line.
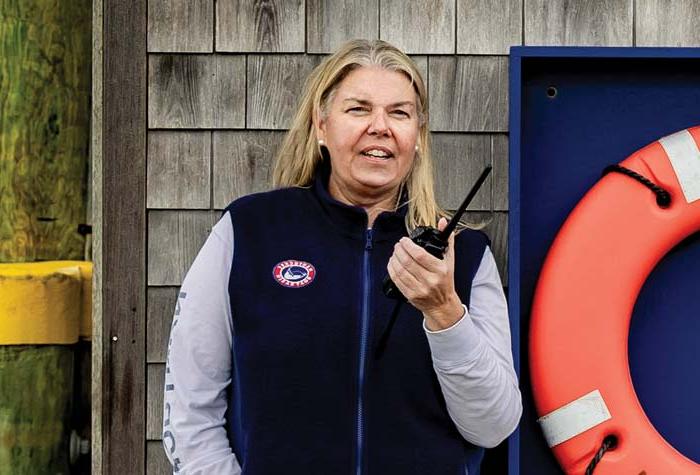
(307, 395)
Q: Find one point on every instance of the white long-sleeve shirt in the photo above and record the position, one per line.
(472, 360)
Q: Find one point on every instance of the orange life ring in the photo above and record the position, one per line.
(583, 305)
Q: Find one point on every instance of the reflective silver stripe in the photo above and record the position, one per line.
(685, 159)
(574, 418)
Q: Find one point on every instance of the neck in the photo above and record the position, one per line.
(373, 205)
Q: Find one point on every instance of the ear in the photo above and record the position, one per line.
(319, 124)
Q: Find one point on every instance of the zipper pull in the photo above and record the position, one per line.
(368, 240)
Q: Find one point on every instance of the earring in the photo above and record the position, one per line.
(321, 143)
(416, 147)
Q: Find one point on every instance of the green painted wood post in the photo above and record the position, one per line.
(45, 51)
(45, 55)
(36, 383)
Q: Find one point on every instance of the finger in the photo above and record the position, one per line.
(412, 273)
(420, 255)
(424, 278)
(405, 282)
(442, 224)
(407, 262)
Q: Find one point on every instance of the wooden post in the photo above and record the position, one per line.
(44, 128)
(119, 365)
(36, 383)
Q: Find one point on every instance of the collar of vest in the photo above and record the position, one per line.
(352, 220)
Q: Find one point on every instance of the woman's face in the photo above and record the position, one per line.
(370, 128)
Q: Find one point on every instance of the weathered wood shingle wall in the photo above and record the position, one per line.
(224, 76)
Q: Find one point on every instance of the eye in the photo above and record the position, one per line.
(401, 113)
(357, 109)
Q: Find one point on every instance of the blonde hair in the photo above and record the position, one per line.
(300, 153)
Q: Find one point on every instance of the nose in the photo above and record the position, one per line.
(379, 125)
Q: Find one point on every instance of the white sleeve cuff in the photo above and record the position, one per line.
(454, 345)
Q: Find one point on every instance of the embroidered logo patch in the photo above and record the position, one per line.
(293, 273)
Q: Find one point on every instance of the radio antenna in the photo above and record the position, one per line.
(445, 233)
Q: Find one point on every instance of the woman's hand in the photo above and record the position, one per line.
(427, 282)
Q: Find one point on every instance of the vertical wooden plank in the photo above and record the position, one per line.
(589, 23)
(325, 33)
(99, 405)
(459, 160)
(499, 157)
(174, 239)
(243, 163)
(123, 237)
(468, 93)
(196, 91)
(488, 26)
(154, 401)
(275, 84)
(156, 461)
(418, 26)
(161, 305)
(183, 26)
(260, 26)
(178, 169)
(664, 23)
(495, 225)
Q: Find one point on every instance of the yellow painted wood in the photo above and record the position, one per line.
(45, 302)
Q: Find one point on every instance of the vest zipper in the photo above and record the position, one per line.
(364, 331)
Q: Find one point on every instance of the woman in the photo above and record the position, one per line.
(272, 366)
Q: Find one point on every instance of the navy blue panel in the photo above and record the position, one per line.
(664, 349)
(574, 116)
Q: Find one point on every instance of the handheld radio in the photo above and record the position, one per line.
(434, 241)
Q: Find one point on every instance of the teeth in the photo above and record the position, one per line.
(377, 153)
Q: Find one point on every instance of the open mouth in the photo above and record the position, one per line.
(377, 154)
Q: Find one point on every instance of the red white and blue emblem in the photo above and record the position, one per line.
(293, 273)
